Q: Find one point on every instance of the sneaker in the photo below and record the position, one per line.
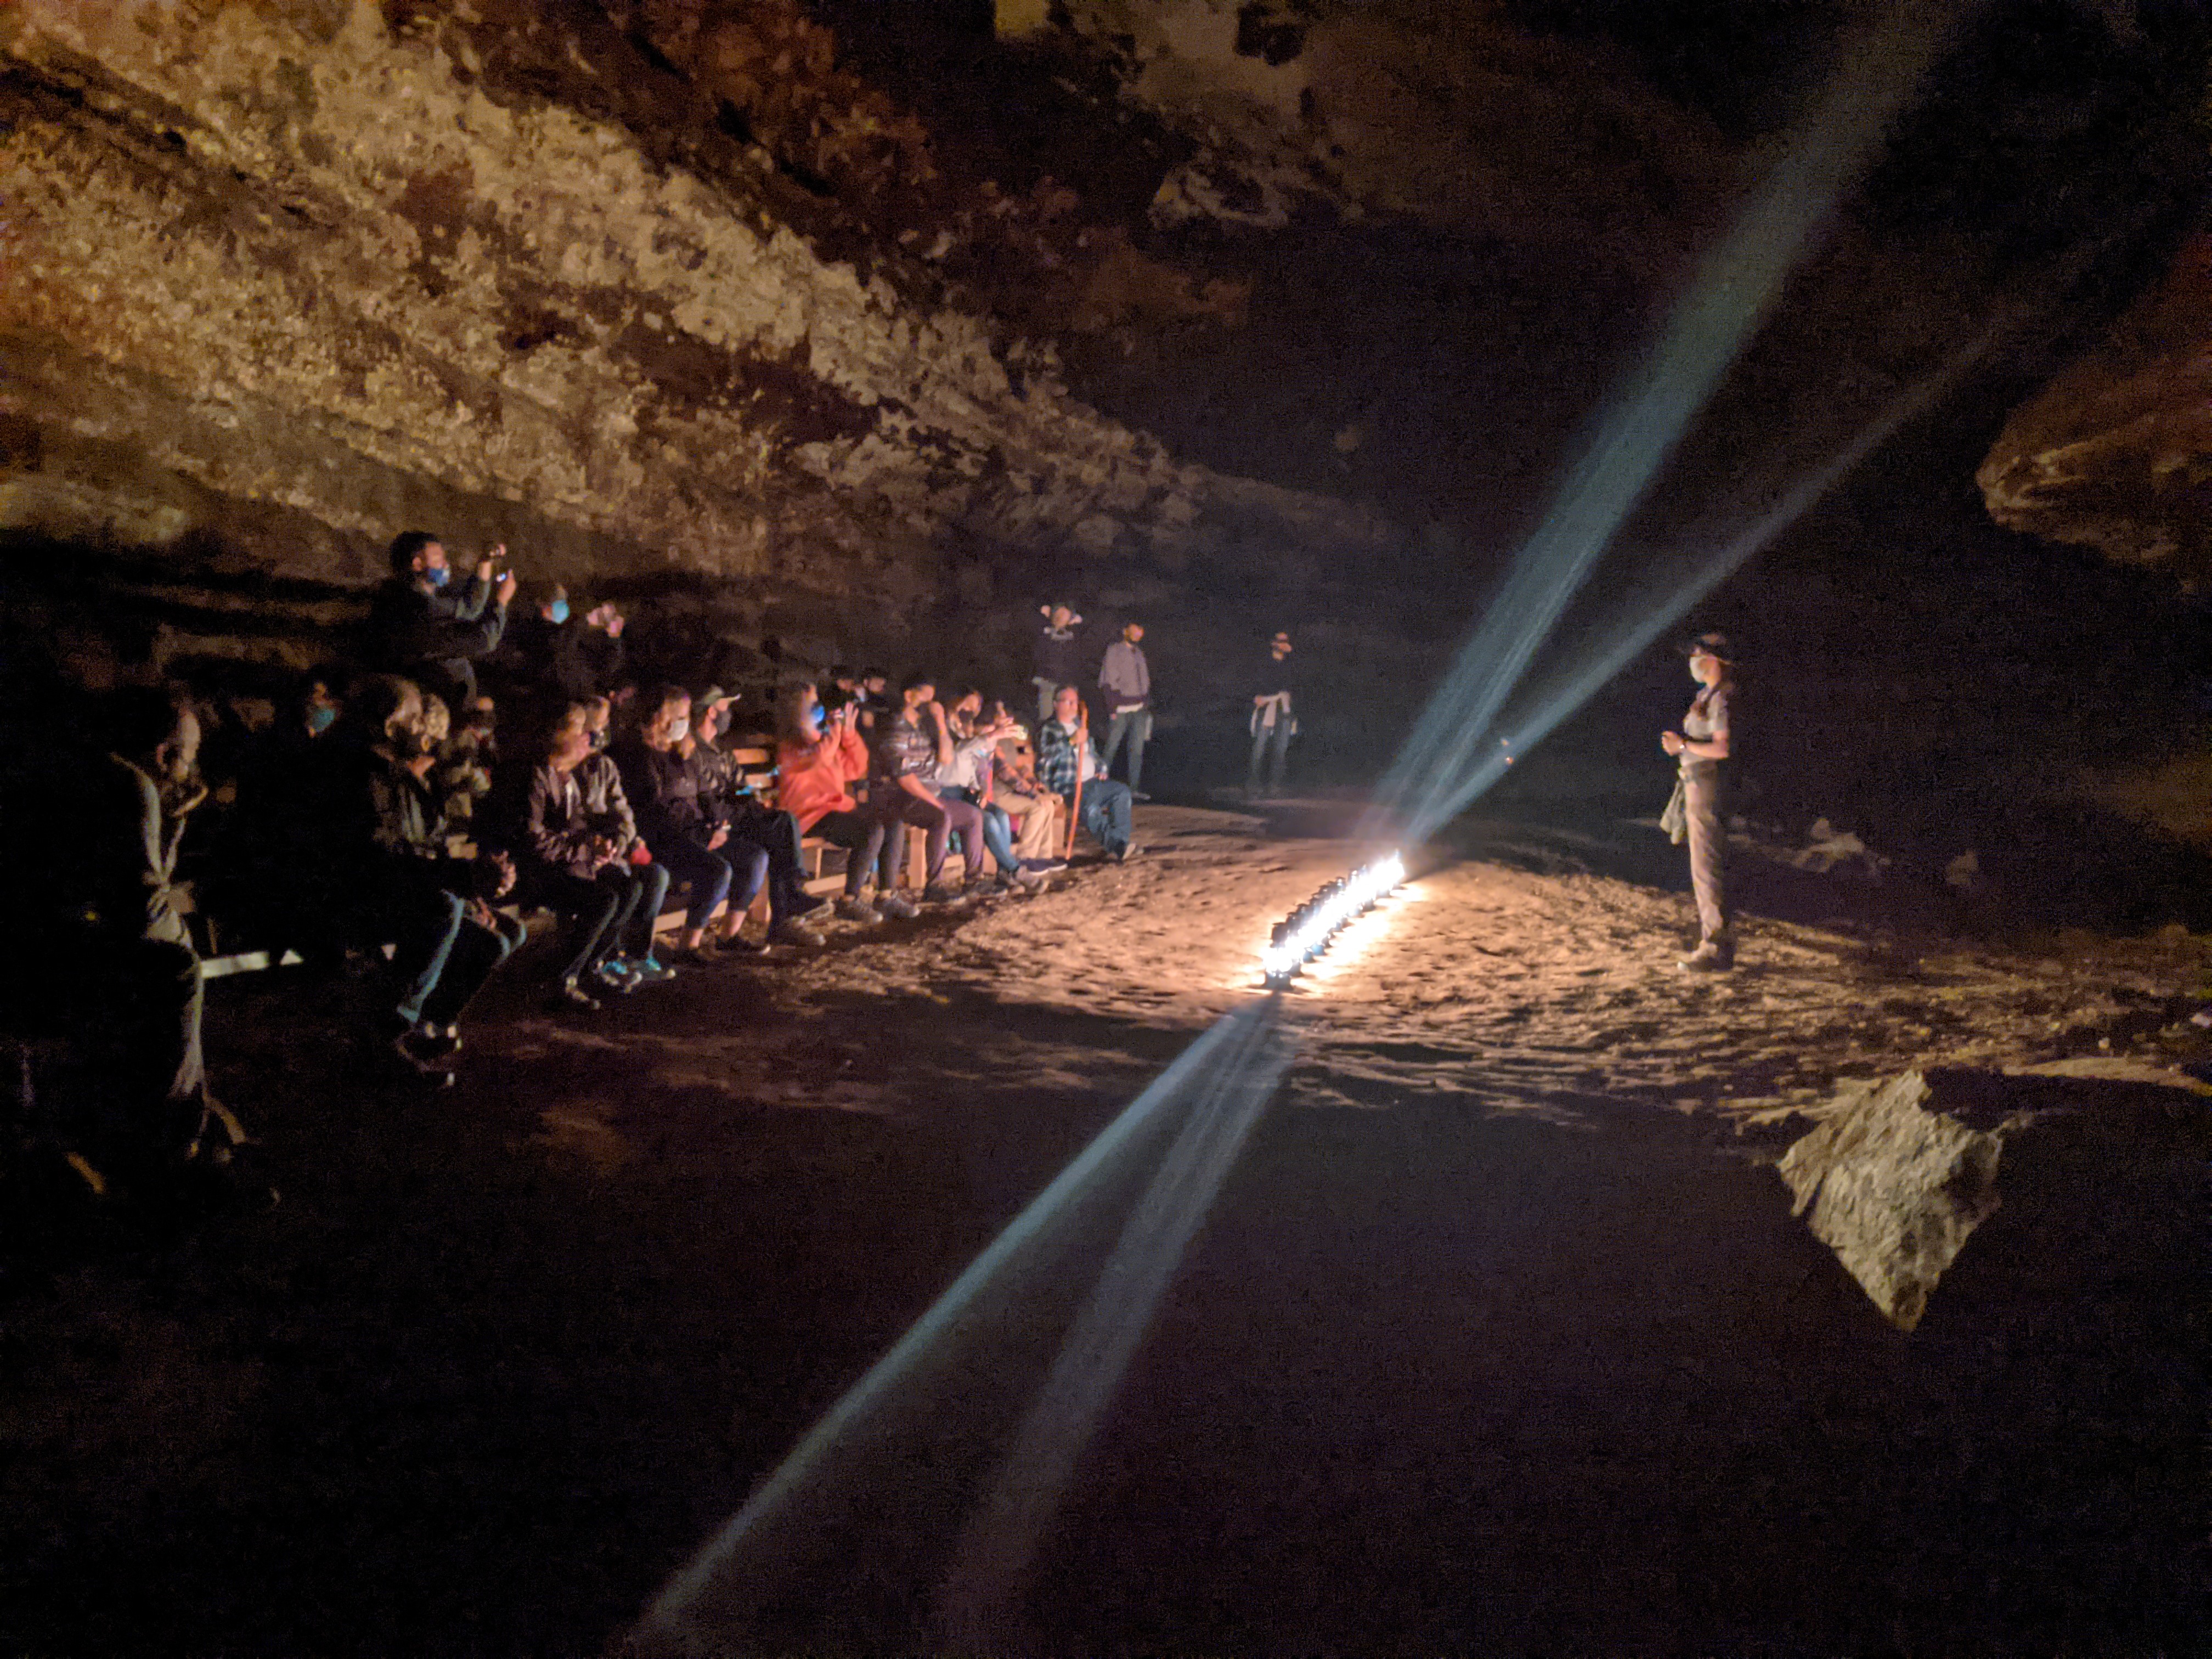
(701, 955)
(1026, 879)
(649, 969)
(897, 905)
(1710, 957)
(1045, 866)
(570, 997)
(1127, 853)
(1139, 794)
(617, 975)
(803, 905)
(742, 944)
(788, 931)
(941, 891)
(853, 908)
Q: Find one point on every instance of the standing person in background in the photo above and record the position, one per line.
(1274, 718)
(589, 660)
(1059, 656)
(420, 628)
(1127, 679)
(1702, 745)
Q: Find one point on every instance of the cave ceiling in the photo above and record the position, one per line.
(897, 295)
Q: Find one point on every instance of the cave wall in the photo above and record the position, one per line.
(283, 279)
(2116, 451)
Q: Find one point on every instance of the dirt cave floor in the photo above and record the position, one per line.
(1500, 1338)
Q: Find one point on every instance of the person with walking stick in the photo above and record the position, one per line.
(1068, 762)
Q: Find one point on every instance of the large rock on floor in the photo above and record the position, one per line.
(1894, 1189)
(2104, 1184)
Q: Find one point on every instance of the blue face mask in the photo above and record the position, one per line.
(320, 716)
(814, 720)
(557, 612)
(437, 575)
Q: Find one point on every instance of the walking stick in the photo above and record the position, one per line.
(1082, 748)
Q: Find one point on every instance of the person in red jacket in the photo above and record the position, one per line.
(818, 759)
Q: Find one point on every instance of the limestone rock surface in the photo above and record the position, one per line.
(2116, 452)
(1894, 1189)
(289, 276)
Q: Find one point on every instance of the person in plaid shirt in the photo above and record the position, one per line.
(1105, 804)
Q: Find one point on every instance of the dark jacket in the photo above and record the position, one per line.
(561, 812)
(425, 635)
(663, 787)
(1060, 656)
(585, 661)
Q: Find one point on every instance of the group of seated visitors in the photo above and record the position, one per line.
(381, 817)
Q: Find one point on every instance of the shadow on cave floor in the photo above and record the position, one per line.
(497, 1363)
(1434, 1379)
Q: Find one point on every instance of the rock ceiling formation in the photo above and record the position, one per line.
(882, 295)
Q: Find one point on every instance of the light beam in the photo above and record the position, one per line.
(1735, 285)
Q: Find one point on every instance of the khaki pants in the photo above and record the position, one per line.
(1036, 822)
(1708, 837)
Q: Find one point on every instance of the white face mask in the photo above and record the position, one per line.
(679, 729)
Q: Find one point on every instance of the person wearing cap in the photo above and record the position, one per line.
(1702, 745)
(1059, 656)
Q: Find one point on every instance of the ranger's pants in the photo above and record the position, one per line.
(1708, 837)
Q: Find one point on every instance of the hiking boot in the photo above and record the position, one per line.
(897, 906)
(853, 908)
(1712, 957)
(788, 931)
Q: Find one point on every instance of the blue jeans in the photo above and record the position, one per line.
(599, 907)
(998, 832)
(444, 958)
(1135, 725)
(1106, 813)
(732, 870)
(1273, 744)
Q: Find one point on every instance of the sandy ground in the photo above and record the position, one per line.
(1500, 1337)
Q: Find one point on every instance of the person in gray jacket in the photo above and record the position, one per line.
(1127, 679)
